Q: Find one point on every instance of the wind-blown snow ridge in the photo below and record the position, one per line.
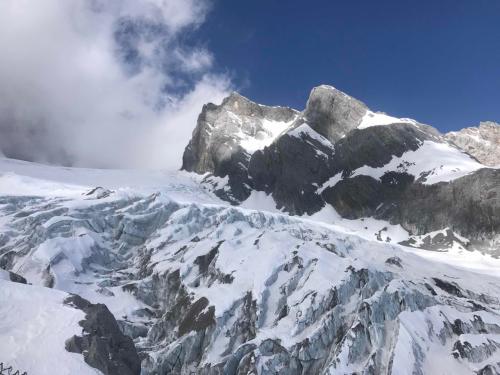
(375, 119)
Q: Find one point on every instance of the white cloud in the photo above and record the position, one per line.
(102, 82)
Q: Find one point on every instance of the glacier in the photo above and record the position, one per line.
(205, 287)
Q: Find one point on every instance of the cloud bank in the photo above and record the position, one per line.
(103, 83)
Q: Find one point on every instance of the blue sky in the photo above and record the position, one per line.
(74, 74)
(435, 61)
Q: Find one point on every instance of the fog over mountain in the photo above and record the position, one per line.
(102, 83)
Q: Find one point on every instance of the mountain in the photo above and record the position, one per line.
(334, 240)
(339, 154)
(481, 142)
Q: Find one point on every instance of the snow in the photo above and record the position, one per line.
(417, 326)
(34, 325)
(304, 130)
(21, 178)
(259, 200)
(331, 182)
(4, 275)
(419, 239)
(257, 241)
(459, 258)
(74, 249)
(264, 137)
(432, 163)
(367, 228)
(376, 118)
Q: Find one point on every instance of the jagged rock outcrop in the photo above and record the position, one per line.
(332, 113)
(102, 344)
(482, 142)
(12, 276)
(226, 135)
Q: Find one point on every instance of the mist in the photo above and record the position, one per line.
(103, 83)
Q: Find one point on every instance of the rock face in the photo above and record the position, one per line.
(332, 113)
(102, 344)
(482, 142)
(226, 135)
(293, 167)
(339, 153)
(468, 205)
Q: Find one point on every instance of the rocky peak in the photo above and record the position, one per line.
(236, 126)
(243, 106)
(482, 142)
(333, 113)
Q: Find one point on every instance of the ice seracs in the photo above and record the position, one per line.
(206, 287)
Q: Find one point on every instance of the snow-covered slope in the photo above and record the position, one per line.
(431, 163)
(377, 119)
(34, 326)
(205, 287)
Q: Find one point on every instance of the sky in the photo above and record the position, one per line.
(103, 83)
(437, 61)
(120, 83)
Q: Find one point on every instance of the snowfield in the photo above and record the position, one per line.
(34, 325)
(431, 163)
(337, 295)
(377, 119)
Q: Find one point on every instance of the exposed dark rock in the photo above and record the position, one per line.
(14, 277)
(102, 344)
(195, 318)
(448, 287)
(288, 170)
(132, 330)
(396, 261)
(466, 205)
(437, 241)
(293, 167)
(489, 370)
(203, 261)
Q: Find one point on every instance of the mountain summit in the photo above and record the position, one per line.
(339, 154)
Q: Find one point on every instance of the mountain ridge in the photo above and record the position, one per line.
(337, 152)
